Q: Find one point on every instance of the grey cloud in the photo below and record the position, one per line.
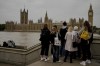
(57, 9)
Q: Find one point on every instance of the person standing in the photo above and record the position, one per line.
(76, 40)
(85, 35)
(56, 46)
(45, 41)
(52, 36)
(69, 49)
(63, 31)
(90, 42)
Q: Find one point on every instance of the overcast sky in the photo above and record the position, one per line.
(58, 10)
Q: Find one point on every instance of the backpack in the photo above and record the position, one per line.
(84, 35)
(5, 44)
(11, 44)
(77, 38)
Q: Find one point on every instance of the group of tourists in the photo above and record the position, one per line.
(68, 41)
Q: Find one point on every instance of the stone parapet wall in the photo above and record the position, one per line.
(95, 48)
(20, 57)
(23, 56)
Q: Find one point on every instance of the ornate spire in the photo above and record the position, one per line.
(90, 7)
(24, 10)
(46, 17)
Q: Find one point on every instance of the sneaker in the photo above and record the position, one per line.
(83, 63)
(59, 61)
(88, 61)
(42, 58)
(46, 59)
(51, 56)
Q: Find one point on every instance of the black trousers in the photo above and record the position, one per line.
(66, 55)
(79, 51)
(85, 46)
(44, 49)
(89, 51)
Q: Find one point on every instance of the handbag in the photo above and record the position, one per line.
(57, 42)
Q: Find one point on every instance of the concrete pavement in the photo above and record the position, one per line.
(4, 64)
(50, 63)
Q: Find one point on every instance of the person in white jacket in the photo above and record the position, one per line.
(68, 45)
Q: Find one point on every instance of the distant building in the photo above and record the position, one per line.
(23, 17)
(90, 15)
(40, 20)
(29, 25)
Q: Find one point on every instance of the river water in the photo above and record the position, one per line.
(24, 38)
(21, 38)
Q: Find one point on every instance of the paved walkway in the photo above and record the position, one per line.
(3, 64)
(50, 63)
(76, 63)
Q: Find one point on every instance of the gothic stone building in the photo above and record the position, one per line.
(29, 25)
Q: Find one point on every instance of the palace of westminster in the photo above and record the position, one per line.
(29, 25)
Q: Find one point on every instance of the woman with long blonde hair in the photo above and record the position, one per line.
(69, 44)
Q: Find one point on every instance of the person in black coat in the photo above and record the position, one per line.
(63, 32)
(45, 41)
(52, 36)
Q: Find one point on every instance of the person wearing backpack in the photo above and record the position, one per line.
(45, 41)
(63, 31)
(76, 40)
(85, 35)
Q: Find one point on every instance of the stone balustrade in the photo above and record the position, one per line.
(20, 56)
(95, 48)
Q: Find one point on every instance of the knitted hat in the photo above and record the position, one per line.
(75, 28)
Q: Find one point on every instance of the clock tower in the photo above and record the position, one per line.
(90, 15)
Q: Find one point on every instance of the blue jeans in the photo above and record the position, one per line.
(55, 53)
(62, 50)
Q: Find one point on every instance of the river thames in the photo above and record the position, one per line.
(21, 38)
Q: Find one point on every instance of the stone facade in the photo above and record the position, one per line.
(23, 17)
(90, 15)
(20, 57)
(29, 25)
